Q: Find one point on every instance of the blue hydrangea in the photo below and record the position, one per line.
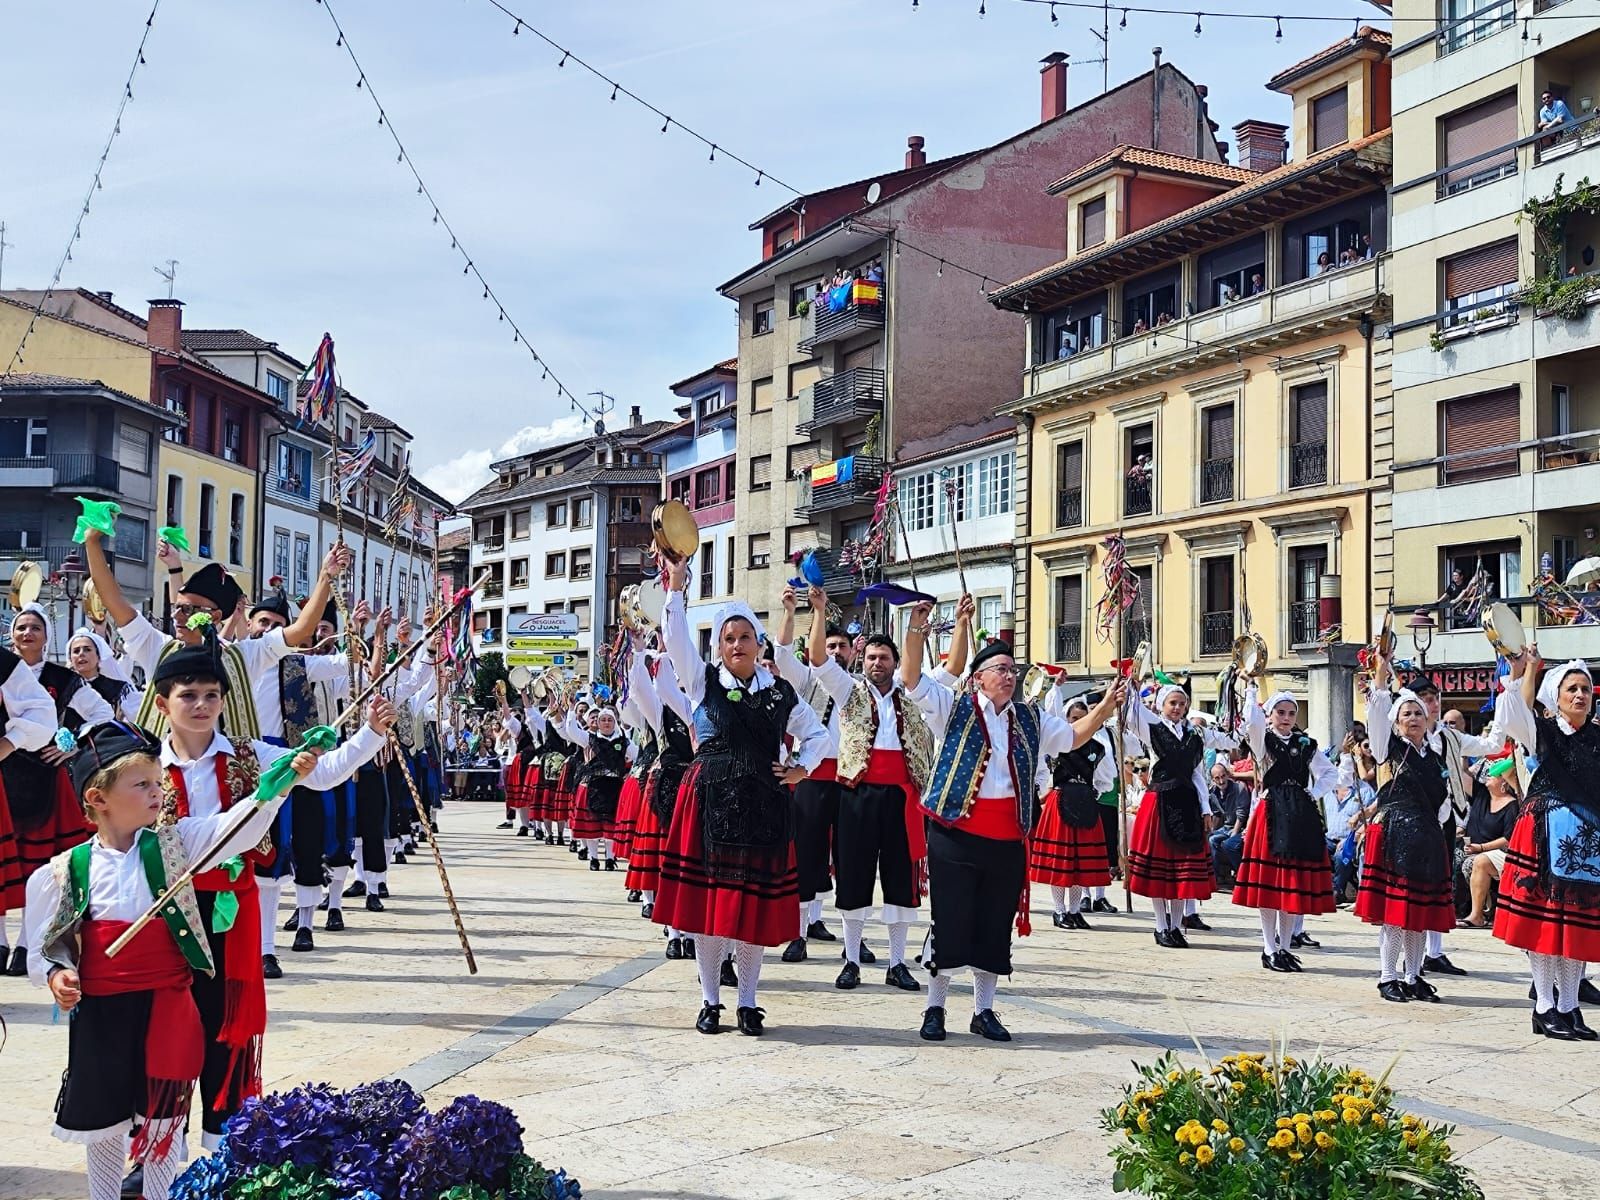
(205, 1179)
(470, 1139)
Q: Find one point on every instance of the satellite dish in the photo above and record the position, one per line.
(599, 428)
(874, 190)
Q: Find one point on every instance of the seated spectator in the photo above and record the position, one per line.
(1342, 819)
(1066, 345)
(1140, 327)
(1257, 284)
(1553, 112)
(1228, 801)
(1164, 319)
(1489, 823)
(1228, 294)
(1347, 258)
(1324, 263)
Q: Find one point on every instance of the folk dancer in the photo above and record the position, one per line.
(981, 807)
(728, 875)
(595, 815)
(1068, 849)
(91, 657)
(666, 708)
(1284, 869)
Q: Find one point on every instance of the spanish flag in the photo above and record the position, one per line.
(864, 291)
(824, 473)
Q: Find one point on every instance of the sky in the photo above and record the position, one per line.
(250, 156)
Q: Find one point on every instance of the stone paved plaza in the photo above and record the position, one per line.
(578, 1023)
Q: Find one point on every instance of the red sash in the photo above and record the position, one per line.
(827, 771)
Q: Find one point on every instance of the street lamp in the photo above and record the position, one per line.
(73, 573)
(1421, 627)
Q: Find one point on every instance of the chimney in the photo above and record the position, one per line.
(634, 418)
(106, 296)
(914, 154)
(165, 328)
(1262, 145)
(1052, 86)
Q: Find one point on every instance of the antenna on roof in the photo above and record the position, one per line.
(4, 245)
(169, 273)
(605, 405)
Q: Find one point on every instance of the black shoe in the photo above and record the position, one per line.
(1059, 920)
(1179, 942)
(1441, 966)
(410, 847)
(688, 947)
(1580, 1026)
(383, 891)
(750, 1021)
(1393, 989)
(1086, 905)
(647, 911)
(1422, 990)
(849, 977)
(537, 833)
(1270, 962)
(795, 951)
(399, 858)
(1076, 921)
(374, 904)
(583, 853)
(611, 864)
(867, 956)
(634, 895)
(1588, 993)
(1304, 941)
(505, 825)
(559, 840)
(355, 891)
(1164, 939)
(303, 940)
(900, 976)
(710, 1019)
(19, 962)
(594, 864)
(335, 921)
(292, 923)
(1554, 1025)
(818, 932)
(932, 1025)
(729, 977)
(523, 831)
(987, 1025)
(1193, 921)
(674, 948)
(133, 1182)
(323, 907)
(1103, 905)
(270, 968)
(1286, 961)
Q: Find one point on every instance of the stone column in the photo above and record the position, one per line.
(1330, 694)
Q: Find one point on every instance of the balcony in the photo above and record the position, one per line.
(1568, 139)
(1216, 633)
(847, 311)
(1069, 643)
(842, 582)
(1069, 508)
(1216, 481)
(1488, 19)
(493, 543)
(854, 480)
(1308, 464)
(65, 472)
(855, 394)
(290, 488)
(1137, 498)
(1304, 623)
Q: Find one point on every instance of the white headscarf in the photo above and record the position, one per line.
(1278, 698)
(1161, 698)
(109, 666)
(37, 610)
(1404, 697)
(1550, 685)
(601, 713)
(728, 612)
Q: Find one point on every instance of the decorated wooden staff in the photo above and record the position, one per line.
(952, 490)
(1122, 590)
(279, 777)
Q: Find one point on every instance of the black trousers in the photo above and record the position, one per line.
(372, 818)
(872, 845)
(311, 836)
(974, 885)
(1110, 826)
(402, 810)
(104, 1084)
(816, 821)
(220, 1076)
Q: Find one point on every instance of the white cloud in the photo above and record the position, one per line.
(465, 473)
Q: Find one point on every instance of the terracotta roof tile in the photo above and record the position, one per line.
(1365, 37)
(1139, 156)
(39, 381)
(456, 539)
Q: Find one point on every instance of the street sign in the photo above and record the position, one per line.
(543, 645)
(526, 659)
(562, 624)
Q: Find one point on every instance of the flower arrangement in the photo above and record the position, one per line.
(374, 1142)
(1256, 1126)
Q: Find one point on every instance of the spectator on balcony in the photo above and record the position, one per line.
(1164, 319)
(875, 272)
(1229, 295)
(1066, 344)
(1368, 251)
(1553, 112)
(1324, 263)
(1142, 470)
(1257, 284)
(1347, 257)
(1140, 327)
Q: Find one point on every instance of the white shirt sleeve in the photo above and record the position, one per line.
(143, 642)
(835, 680)
(679, 642)
(642, 692)
(418, 678)
(514, 728)
(43, 900)
(91, 706)
(1056, 735)
(1255, 722)
(1324, 779)
(536, 721)
(788, 666)
(1491, 741)
(936, 702)
(1380, 701)
(671, 692)
(30, 712)
(572, 729)
(810, 738)
(333, 767)
(1138, 722)
(1513, 717)
(1105, 771)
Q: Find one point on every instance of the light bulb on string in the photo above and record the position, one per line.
(982, 11)
(940, 273)
(340, 40)
(713, 157)
(1123, 24)
(1279, 35)
(665, 124)
(1197, 29)
(758, 177)
(1355, 33)
(565, 54)
(517, 28)
(613, 93)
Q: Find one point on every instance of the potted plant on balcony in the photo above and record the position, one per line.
(1550, 293)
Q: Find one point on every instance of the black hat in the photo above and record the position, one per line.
(330, 614)
(1423, 686)
(995, 649)
(277, 603)
(217, 586)
(198, 661)
(102, 746)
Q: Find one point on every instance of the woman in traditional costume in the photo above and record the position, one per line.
(1068, 847)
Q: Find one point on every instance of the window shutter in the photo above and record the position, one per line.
(1094, 222)
(1069, 600)
(801, 457)
(1477, 130)
(806, 538)
(761, 470)
(1219, 432)
(1330, 119)
(1147, 597)
(1310, 414)
(1069, 467)
(200, 429)
(1489, 423)
(1478, 270)
(803, 375)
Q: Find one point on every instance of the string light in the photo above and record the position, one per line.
(95, 185)
(1099, 6)
(1054, 20)
(1197, 29)
(1278, 37)
(1123, 24)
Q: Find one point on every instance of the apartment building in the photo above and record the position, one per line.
(1497, 322)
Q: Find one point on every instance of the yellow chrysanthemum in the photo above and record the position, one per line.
(1285, 1122)
(1203, 1155)
(1174, 1076)
(1379, 1120)
(1144, 1122)
(1324, 1141)
(1327, 1115)
(1301, 1118)
(1296, 1156)
(1408, 1121)
(1303, 1134)
(1220, 1125)
(1185, 1159)
(1236, 1086)
(1410, 1139)
(1352, 1117)
(1236, 1145)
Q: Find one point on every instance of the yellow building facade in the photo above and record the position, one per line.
(1205, 380)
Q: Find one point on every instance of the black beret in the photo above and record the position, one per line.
(103, 746)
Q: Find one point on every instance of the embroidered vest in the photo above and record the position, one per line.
(242, 773)
(63, 685)
(296, 697)
(965, 754)
(858, 730)
(162, 855)
(239, 719)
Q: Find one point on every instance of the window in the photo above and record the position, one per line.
(678, 489)
(761, 318)
(555, 606)
(1231, 273)
(952, 489)
(1560, 410)
(519, 572)
(208, 516)
(1216, 605)
(761, 395)
(710, 403)
(1139, 453)
(1307, 565)
(1341, 236)
(1468, 21)
(804, 375)
(1330, 124)
(280, 554)
(1216, 472)
(1564, 555)
(377, 576)
(279, 389)
(176, 402)
(782, 237)
(1069, 485)
(521, 523)
(293, 471)
(233, 434)
(708, 570)
(302, 564)
(728, 568)
(416, 594)
(1477, 433)
(132, 538)
(630, 508)
(1091, 222)
(581, 610)
(1481, 283)
(402, 594)
(1308, 434)
(555, 515)
(1146, 300)
(1136, 626)
(800, 540)
(1069, 618)
(582, 512)
(760, 550)
(705, 641)
(707, 487)
(989, 613)
(993, 493)
(133, 449)
(916, 500)
(23, 437)
(761, 472)
(1489, 126)
(800, 294)
(582, 563)
(555, 564)
(1071, 330)
(803, 458)
(730, 481)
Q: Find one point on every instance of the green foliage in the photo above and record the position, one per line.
(1253, 1127)
(284, 1183)
(1436, 340)
(1549, 292)
(1558, 297)
(491, 667)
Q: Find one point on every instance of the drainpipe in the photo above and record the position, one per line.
(1155, 102)
(1367, 328)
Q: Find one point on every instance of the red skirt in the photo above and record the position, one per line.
(628, 805)
(1062, 855)
(542, 797)
(760, 909)
(517, 783)
(1525, 917)
(1160, 870)
(1287, 884)
(1385, 898)
(586, 824)
(644, 848)
(23, 851)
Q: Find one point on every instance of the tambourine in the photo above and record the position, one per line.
(1504, 630)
